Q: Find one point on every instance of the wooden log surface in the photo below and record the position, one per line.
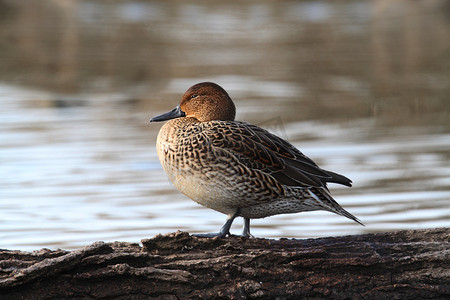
(412, 264)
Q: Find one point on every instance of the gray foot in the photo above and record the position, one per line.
(246, 232)
(224, 231)
(211, 235)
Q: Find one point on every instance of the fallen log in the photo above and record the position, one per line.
(413, 264)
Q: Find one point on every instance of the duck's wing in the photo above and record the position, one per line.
(256, 148)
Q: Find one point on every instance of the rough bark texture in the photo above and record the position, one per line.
(395, 265)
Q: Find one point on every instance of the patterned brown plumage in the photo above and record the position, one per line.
(237, 168)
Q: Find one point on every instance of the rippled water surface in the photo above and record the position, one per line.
(362, 87)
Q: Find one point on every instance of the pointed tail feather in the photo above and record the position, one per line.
(338, 178)
(323, 197)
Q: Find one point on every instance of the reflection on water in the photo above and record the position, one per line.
(359, 86)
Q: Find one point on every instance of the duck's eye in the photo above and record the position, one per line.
(194, 96)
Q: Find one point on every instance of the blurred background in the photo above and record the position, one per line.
(361, 87)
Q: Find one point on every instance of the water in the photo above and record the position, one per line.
(359, 86)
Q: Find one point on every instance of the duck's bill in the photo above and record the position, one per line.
(174, 113)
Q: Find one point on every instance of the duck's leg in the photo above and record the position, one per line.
(246, 232)
(224, 231)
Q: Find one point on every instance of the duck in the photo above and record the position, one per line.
(236, 168)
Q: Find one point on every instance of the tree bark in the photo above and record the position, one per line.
(411, 264)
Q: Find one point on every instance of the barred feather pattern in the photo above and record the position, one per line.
(238, 168)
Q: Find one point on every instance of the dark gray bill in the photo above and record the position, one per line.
(174, 113)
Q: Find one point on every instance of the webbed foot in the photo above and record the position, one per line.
(246, 232)
(224, 231)
(211, 235)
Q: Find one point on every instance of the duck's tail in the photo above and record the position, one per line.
(324, 199)
(338, 178)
